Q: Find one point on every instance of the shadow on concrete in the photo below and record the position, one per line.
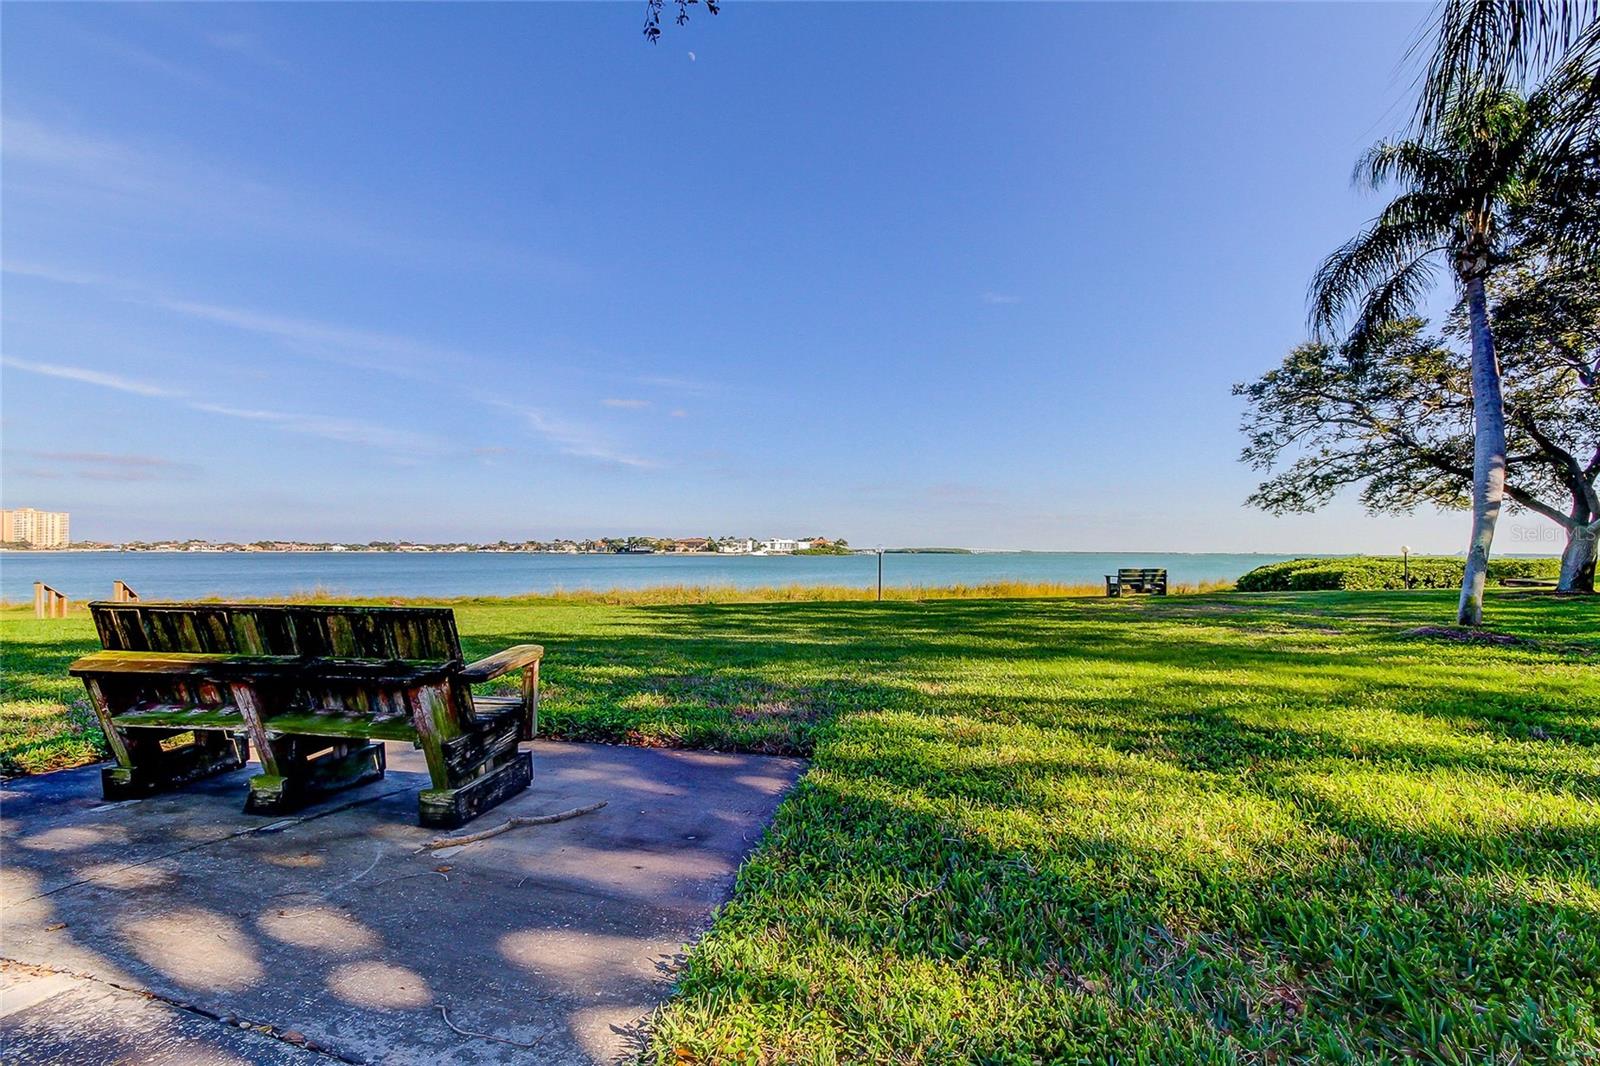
(331, 926)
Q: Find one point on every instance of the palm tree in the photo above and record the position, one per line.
(1507, 45)
(1459, 188)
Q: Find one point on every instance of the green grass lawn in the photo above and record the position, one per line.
(1276, 828)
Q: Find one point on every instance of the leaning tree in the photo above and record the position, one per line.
(1392, 414)
(1546, 319)
(1464, 199)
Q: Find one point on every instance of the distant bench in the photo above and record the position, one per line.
(182, 689)
(1151, 580)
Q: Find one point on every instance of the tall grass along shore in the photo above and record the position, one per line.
(1215, 828)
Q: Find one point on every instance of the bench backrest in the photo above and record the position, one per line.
(1134, 575)
(322, 630)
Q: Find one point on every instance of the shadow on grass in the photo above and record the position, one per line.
(1095, 932)
(1194, 828)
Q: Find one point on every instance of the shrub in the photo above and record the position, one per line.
(1356, 573)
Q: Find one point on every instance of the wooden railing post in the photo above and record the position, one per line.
(47, 602)
(121, 593)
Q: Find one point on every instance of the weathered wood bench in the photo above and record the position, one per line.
(1150, 580)
(183, 689)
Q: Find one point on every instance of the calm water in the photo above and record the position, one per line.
(172, 575)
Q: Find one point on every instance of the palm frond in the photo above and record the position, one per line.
(1498, 45)
(1370, 261)
(1396, 298)
(1567, 102)
(1403, 161)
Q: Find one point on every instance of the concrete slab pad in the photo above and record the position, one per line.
(50, 1017)
(332, 926)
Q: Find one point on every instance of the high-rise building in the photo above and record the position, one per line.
(37, 529)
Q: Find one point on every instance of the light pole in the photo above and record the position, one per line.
(880, 573)
(1405, 560)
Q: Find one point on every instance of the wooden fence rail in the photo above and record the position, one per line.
(121, 593)
(47, 602)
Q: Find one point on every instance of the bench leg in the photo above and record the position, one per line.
(150, 767)
(448, 808)
(530, 701)
(145, 765)
(298, 770)
(295, 769)
(474, 765)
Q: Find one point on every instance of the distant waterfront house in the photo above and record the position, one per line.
(736, 546)
(784, 544)
(691, 544)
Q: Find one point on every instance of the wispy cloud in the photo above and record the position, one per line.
(999, 298)
(571, 438)
(57, 274)
(127, 184)
(364, 349)
(676, 384)
(678, 412)
(344, 430)
(106, 466)
(149, 61)
(88, 377)
(346, 346)
(251, 47)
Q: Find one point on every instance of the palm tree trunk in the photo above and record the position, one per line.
(1488, 451)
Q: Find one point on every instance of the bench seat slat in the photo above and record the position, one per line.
(177, 716)
(181, 716)
(310, 724)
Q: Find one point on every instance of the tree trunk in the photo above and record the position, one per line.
(1577, 562)
(1489, 443)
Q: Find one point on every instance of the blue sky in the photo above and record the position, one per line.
(909, 273)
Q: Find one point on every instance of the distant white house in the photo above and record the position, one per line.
(736, 547)
(783, 544)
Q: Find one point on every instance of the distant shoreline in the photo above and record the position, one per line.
(736, 555)
(177, 575)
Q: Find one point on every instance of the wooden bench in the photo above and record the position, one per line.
(183, 689)
(1151, 580)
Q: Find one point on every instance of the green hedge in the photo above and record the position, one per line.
(1366, 572)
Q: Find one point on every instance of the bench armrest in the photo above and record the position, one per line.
(502, 662)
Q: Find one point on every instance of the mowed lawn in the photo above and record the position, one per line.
(1274, 828)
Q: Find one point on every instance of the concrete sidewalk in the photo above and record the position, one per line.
(179, 929)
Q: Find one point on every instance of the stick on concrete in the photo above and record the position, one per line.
(505, 827)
